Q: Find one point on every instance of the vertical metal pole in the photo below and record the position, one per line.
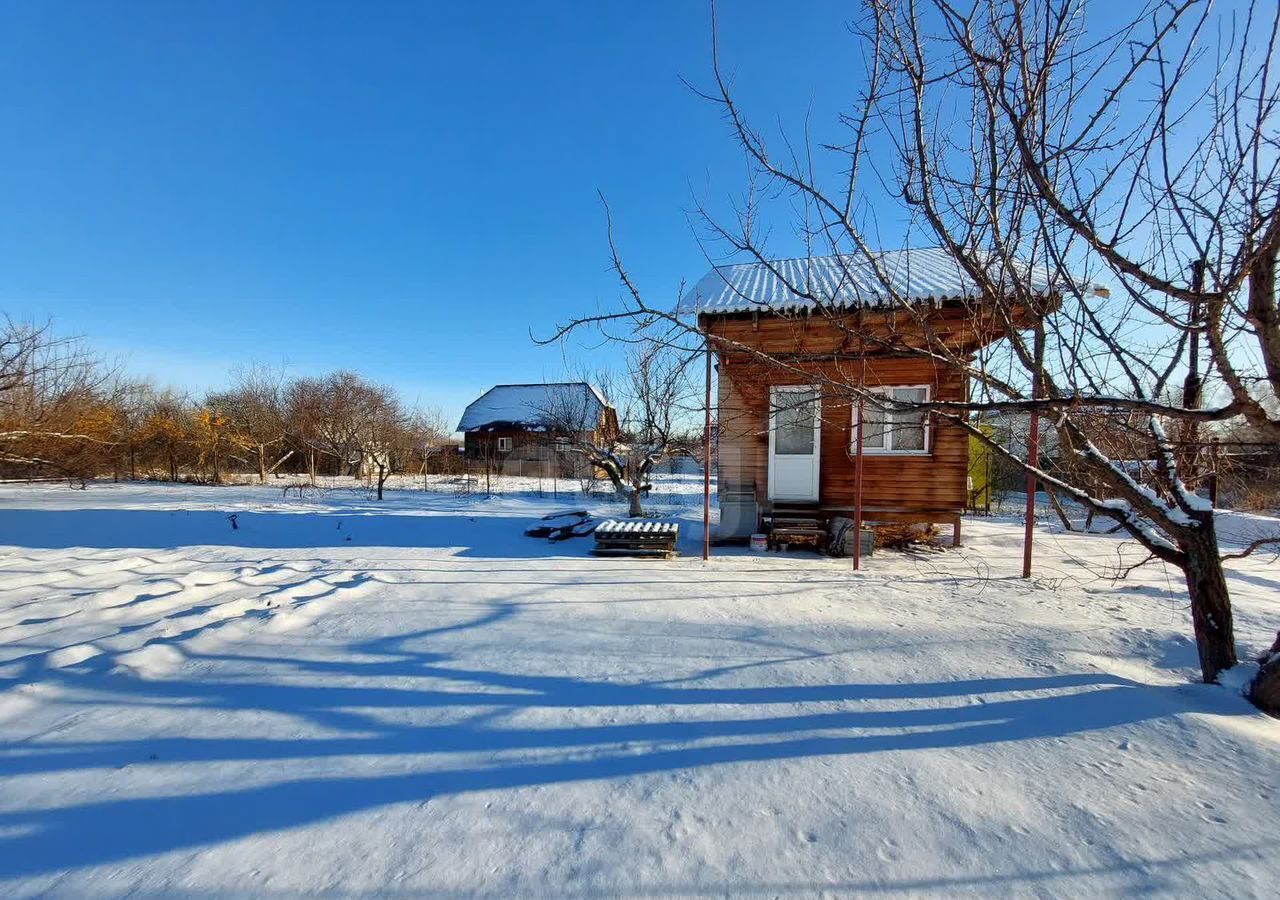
(857, 490)
(1033, 458)
(990, 458)
(706, 463)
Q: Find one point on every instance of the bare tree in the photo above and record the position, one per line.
(254, 410)
(380, 432)
(64, 413)
(337, 423)
(130, 400)
(650, 396)
(169, 428)
(54, 415)
(304, 411)
(426, 436)
(1046, 156)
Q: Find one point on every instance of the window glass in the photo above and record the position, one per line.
(908, 431)
(908, 428)
(894, 430)
(874, 430)
(794, 418)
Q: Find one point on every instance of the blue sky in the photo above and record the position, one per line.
(403, 189)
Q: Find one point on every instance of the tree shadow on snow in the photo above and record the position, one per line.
(725, 725)
(478, 535)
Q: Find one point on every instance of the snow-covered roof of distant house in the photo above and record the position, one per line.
(530, 405)
(928, 274)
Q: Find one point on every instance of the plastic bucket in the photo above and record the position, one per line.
(759, 543)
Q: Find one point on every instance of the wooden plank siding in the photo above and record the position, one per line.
(930, 487)
(483, 442)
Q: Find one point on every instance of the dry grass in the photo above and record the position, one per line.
(1253, 492)
(894, 536)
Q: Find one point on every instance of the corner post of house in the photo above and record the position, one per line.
(706, 454)
(857, 465)
(857, 490)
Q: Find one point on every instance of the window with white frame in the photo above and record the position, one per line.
(893, 430)
(504, 445)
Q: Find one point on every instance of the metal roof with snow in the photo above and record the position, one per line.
(531, 405)
(929, 274)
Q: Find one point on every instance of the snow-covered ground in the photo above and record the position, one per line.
(410, 698)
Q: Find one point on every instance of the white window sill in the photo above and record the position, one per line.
(868, 452)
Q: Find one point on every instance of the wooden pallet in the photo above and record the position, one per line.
(797, 524)
(636, 537)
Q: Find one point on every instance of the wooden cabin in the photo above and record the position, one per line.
(528, 429)
(786, 427)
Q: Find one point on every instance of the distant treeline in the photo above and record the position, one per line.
(64, 413)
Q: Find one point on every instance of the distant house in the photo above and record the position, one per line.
(531, 428)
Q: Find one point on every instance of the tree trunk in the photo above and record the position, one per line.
(311, 465)
(634, 500)
(1058, 508)
(1210, 602)
(382, 478)
(262, 464)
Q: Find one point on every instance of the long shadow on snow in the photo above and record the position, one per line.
(107, 831)
(479, 535)
(47, 840)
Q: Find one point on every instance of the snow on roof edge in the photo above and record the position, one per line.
(528, 404)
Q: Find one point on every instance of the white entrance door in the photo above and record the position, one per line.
(795, 432)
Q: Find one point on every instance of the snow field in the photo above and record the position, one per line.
(411, 698)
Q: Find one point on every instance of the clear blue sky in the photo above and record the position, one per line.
(406, 189)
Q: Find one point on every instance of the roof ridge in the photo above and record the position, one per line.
(538, 384)
(859, 254)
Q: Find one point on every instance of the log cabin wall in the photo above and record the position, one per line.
(482, 443)
(936, 482)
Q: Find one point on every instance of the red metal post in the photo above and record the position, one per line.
(706, 464)
(1033, 458)
(857, 491)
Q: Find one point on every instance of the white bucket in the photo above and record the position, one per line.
(759, 543)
